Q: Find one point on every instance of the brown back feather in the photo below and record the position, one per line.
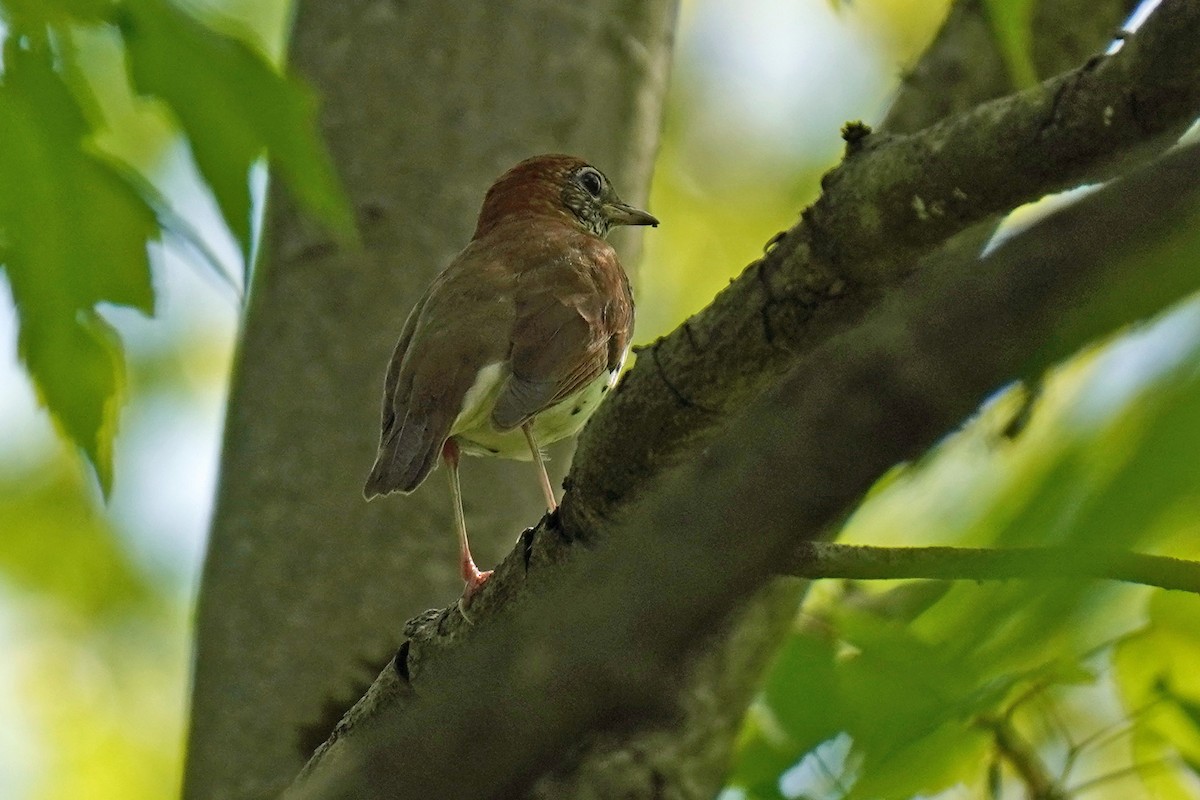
(570, 309)
(460, 328)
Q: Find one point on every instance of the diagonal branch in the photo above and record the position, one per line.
(589, 632)
(865, 562)
(585, 627)
(964, 65)
(692, 752)
(892, 200)
(926, 187)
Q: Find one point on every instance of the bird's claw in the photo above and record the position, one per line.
(474, 582)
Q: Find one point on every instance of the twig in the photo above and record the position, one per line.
(1023, 758)
(1132, 769)
(866, 562)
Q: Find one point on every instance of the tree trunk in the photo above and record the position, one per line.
(424, 104)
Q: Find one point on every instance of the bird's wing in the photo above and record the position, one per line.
(392, 379)
(435, 362)
(560, 340)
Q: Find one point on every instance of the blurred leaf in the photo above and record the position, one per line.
(75, 75)
(1102, 464)
(1160, 473)
(906, 705)
(785, 724)
(1158, 672)
(1012, 22)
(827, 772)
(933, 761)
(73, 233)
(235, 108)
(912, 707)
(55, 544)
(105, 699)
(1191, 711)
(22, 13)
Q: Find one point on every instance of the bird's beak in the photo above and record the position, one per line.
(625, 214)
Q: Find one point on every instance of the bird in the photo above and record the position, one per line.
(516, 341)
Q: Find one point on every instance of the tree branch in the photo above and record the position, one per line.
(827, 272)
(865, 562)
(964, 66)
(587, 626)
(691, 753)
(588, 630)
(1024, 758)
(926, 187)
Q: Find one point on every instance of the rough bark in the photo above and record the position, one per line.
(964, 66)
(539, 641)
(424, 104)
(820, 277)
(605, 626)
(685, 756)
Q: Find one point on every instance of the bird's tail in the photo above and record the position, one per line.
(406, 457)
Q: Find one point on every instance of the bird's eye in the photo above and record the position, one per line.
(591, 182)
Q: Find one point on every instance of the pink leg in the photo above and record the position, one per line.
(543, 476)
(470, 573)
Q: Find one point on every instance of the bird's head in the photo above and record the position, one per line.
(561, 187)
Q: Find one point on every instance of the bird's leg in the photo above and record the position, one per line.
(551, 503)
(470, 573)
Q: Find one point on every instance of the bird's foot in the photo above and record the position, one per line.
(474, 582)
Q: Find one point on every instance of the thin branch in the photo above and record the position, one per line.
(1109, 733)
(1117, 774)
(1023, 757)
(867, 562)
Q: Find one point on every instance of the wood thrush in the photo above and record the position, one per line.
(516, 341)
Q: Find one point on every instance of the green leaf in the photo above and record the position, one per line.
(1107, 461)
(235, 108)
(1156, 671)
(827, 772)
(1158, 477)
(74, 232)
(907, 705)
(1012, 21)
(31, 13)
(80, 378)
(56, 545)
